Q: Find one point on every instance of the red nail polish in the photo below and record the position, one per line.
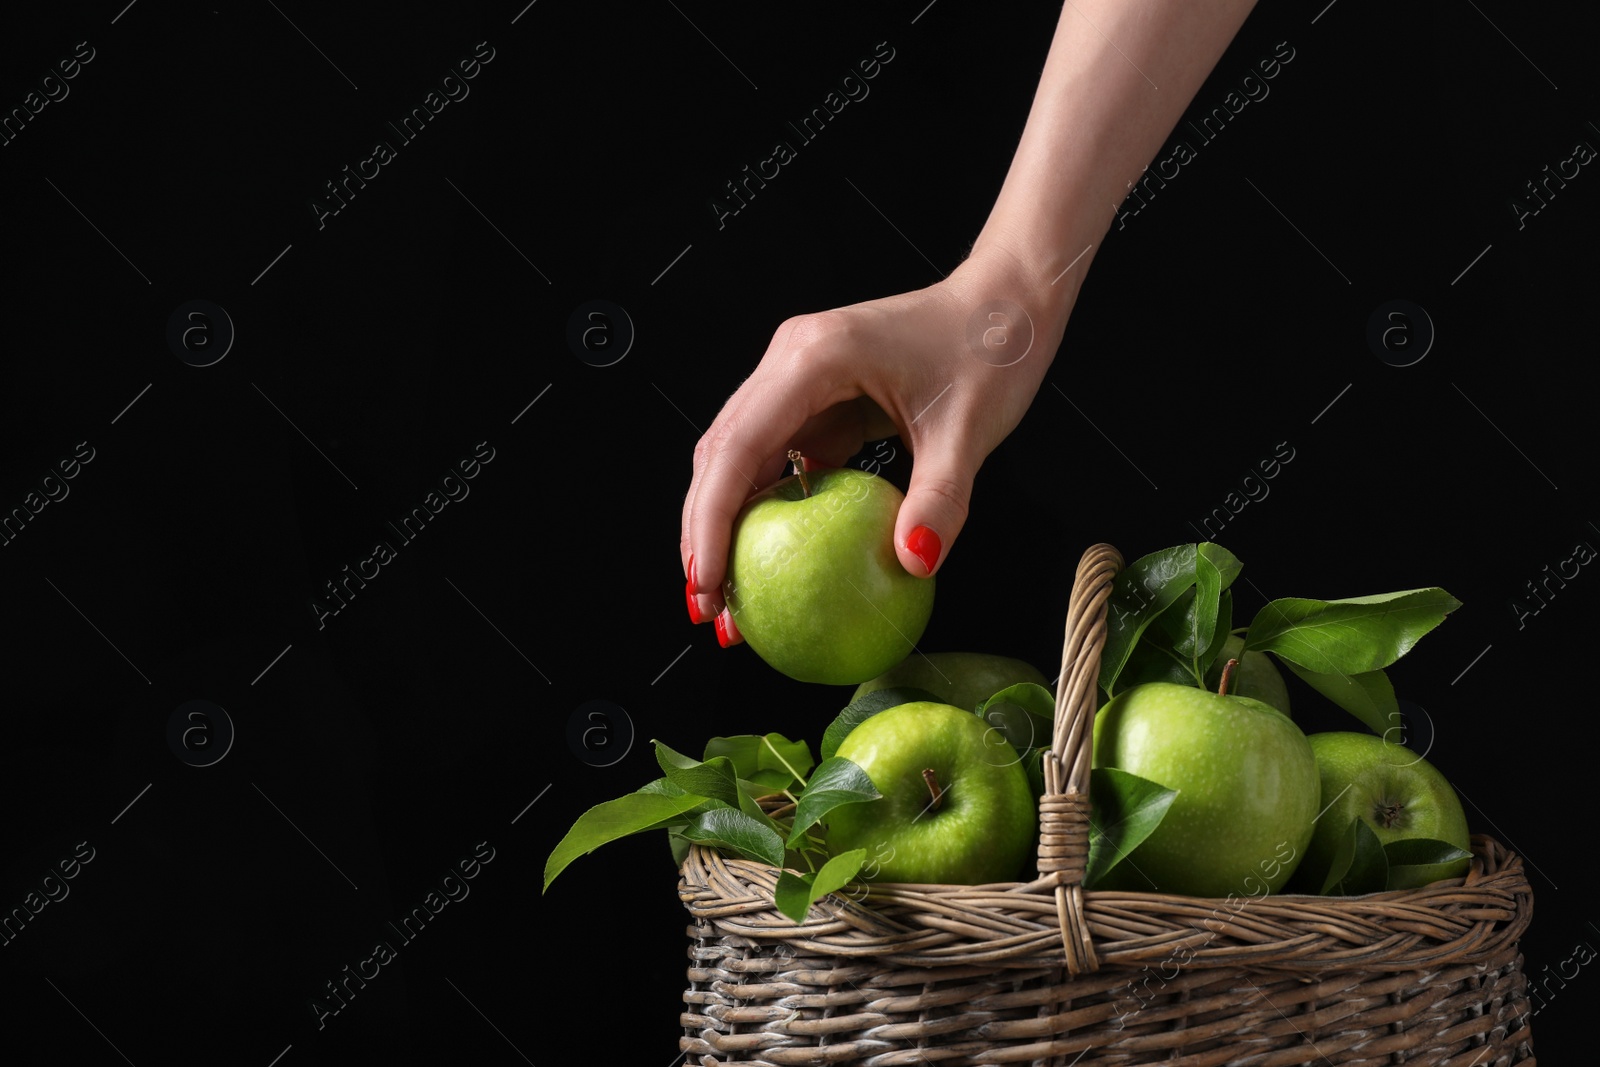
(925, 545)
(692, 583)
(722, 631)
(691, 599)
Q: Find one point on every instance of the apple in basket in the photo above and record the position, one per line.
(1401, 797)
(1247, 784)
(955, 808)
(965, 679)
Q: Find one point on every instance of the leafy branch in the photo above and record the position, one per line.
(1171, 611)
(723, 801)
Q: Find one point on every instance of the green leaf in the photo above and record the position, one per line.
(1153, 660)
(1143, 590)
(737, 832)
(607, 822)
(1202, 621)
(714, 778)
(1423, 851)
(1014, 729)
(838, 872)
(1023, 715)
(1150, 587)
(796, 893)
(663, 787)
(1420, 860)
(1368, 696)
(1352, 636)
(1220, 635)
(794, 757)
(1031, 697)
(1124, 810)
(1359, 864)
(757, 758)
(865, 707)
(1166, 651)
(1193, 619)
(836, 781)
(765, 783)
(1227, 564)
(748, 792)
(743, 749)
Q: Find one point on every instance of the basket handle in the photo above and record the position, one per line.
(1064, 809)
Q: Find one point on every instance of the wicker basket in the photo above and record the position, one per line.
(1043, 972)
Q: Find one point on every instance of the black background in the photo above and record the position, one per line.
(375, 351)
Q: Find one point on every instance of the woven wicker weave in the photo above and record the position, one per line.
(1045, 973)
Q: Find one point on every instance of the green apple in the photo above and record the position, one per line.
(1256, 676)
(965, 679)
(950, 813)
(1394, 791)
(813, 581)
(1247, 787)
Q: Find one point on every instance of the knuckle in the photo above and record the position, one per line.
(817, 335)
(726, 439)
(952, 495)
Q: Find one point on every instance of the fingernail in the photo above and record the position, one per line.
(924, 544)
(722, 630)
(691, 595)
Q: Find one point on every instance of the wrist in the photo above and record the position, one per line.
(1004, 276)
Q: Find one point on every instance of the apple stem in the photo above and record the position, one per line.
(800, 470)
(933, 788)
(1227, 676)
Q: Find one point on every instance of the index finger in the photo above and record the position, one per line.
(742, 453)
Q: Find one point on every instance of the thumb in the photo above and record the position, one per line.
(934, 510)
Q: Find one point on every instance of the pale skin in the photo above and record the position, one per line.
(1118, 77)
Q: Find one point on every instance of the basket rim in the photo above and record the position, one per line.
(1459, 920)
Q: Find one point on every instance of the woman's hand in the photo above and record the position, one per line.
(944, 367)
(950, 369)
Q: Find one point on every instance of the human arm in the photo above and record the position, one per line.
(1118, 76)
